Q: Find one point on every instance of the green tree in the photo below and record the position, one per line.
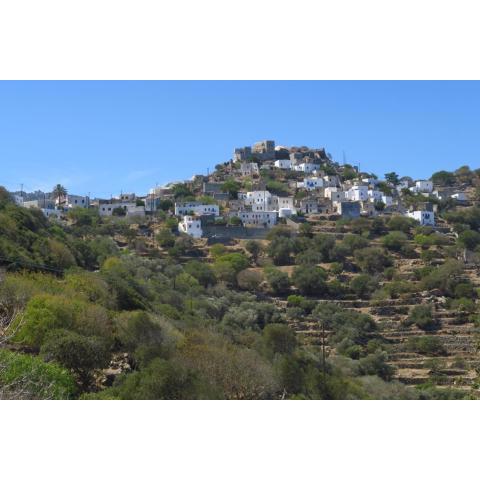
(392, 178)
(279, 281)
(76, 352)
(310, 280)
(422, 317)
(254, 248)
(363, 285)
(231, 187)
(279, 338)
(202, 272)
(372, 259)
(394, 241)
(59, 192)
(280, 250)
(469, 239)
(443, 178)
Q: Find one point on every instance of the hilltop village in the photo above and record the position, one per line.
(280, 274)
(265, 185)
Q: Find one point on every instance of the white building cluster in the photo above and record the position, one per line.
(313, 182)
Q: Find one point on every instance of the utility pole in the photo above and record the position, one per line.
(324, 373)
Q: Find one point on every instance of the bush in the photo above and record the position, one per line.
(279, 281)
(400, 223)
(25, 377)
(469, 239)
(280, 250)
(426, 345)
(279, 338)
(165, 238)
(442, 277)
(202, 272)
(135, 329)
(443, 178)
(254, 248)
(466, 290)
(238, 261)
(394, 240)
(76, 352)
(363, 285)
(229, 371)
(249, 279)
(354, 242)
(421, 316)
(376, 364)
(372, 260)
(42, 314)
(310, 280)
(160, 380)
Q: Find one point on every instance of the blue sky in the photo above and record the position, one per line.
(104, 137)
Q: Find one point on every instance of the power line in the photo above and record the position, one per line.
(32, 265)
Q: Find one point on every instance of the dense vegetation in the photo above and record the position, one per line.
(94, 309)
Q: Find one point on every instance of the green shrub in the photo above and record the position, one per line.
(28, 377)
(363, 285)
(279, 281)
(426, 345)
(310, 280)
(421, 316)
(372, 259)
(76, 352)
(394, 240)
(279, 338)
(44, 313)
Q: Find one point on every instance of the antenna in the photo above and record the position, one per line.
(344, 157)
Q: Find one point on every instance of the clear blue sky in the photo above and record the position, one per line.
(103, 137)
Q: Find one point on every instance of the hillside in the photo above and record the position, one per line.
(322, 307)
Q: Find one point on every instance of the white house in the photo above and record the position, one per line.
(331, 180)
(460, 196)
(375, 195)
(47, 203)
(357, 193)
(283, 164)
(312, 183)
(191, 226)
(278, 203)
(185, 208)
(424, 217)
(74, 201)
(51, 213)
(106, 209)
(306, 167)
(266, 219)
(370, 181)
(387, 200)
(131, 209)
(258, 196)
(422, 186)
(334, 194)
(249, 168)
(135, 211)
